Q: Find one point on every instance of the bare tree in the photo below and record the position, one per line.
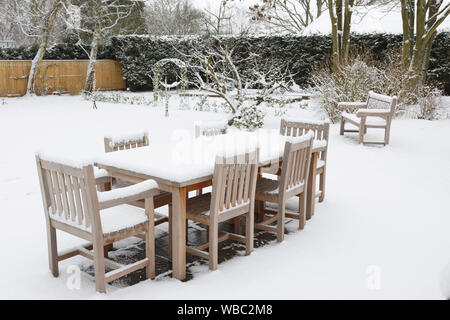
(173, 17)
(98, 19)
(288, 15)
(216, 71)
(420, 18)
(341, 15)
(35, 19)
(218, 21)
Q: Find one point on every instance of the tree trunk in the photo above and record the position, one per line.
(47, 25)
(346, 31)
(339, 27)
(90, 75)
(334, 36)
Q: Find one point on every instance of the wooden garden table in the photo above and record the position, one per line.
(187, 164)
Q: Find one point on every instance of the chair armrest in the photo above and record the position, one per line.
(373, 113)
(135, 192)
(351, 105)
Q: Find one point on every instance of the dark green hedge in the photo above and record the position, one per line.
(138, 54)
(68, 50)
(300, 54)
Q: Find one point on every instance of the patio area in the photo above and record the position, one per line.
(350, 240)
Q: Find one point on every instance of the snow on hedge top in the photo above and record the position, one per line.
(374, 19)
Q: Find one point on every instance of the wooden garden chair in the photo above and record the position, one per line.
(102, 178)
(210, 129)
(72, 204)
(376, 112)
(160, 200)
(321, 131)
(233, 195)
(130, 142)
(293, 182)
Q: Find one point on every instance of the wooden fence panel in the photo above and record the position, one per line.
(65, 75)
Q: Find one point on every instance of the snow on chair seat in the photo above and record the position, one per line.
(127, 194)
(370, 121)
(71, 204)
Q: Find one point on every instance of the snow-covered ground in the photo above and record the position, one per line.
(381, 233)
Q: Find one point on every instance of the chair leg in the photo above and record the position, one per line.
(249, 231)
(213, 245)
(237, 224)
(169, 249)
(322, 185)
(361, 134)
(280, 222)
(52, 250)
(341, 131)
(99, 266)
(150, 239)
(260, 210)
(107, 248)
(362, 129)
(386, 135)
(107, 186)
(301, 211)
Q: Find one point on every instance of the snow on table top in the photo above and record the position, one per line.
(128, 191)
(186, 158)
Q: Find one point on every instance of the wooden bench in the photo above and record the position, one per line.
(376, 112)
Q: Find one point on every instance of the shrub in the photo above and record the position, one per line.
(250, 117)
(362, 74)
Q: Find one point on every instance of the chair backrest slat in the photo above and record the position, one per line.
(233, 182)
(72, 209)
(49, 191)
(116, 144)
(76, 189)
(87, 216)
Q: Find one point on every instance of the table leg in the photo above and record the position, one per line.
(311, 188)
(179, 233)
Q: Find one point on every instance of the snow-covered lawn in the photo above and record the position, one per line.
(382, 231)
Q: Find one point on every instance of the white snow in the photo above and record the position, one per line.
(386, 209)
(369, 120)
(128, 191)
(371, 19)
(121, 217)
